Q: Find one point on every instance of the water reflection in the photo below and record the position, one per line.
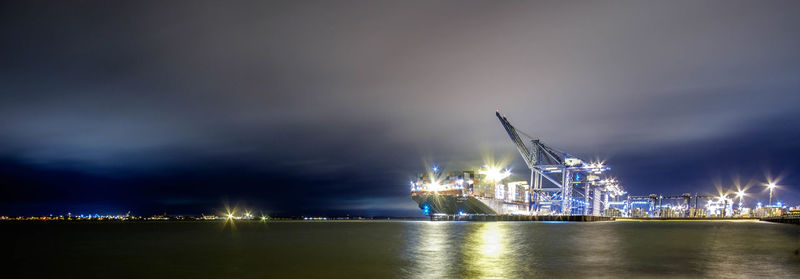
(475, 250)
(375, 249)
(599, 250)
(736, 252)
(595, 246)
(487, 252)
(430, 251)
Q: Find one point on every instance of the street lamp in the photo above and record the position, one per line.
(771, 187)
(740, 195)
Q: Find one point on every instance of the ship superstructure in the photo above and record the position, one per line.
(488, 190)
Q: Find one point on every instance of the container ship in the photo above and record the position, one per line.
(487, 191)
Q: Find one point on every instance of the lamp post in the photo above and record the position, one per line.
(771, 187)
(740, 195)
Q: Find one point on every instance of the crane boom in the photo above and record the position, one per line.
(512, 132)
(530, 158)
(550, 164)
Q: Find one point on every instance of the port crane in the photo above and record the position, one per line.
(569, 177)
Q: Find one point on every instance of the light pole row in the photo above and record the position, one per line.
(741, 193)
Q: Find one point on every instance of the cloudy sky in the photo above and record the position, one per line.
(329, 107)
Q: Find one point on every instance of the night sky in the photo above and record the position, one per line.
(330, 107)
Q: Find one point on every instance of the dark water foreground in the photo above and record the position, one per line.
(374, 249)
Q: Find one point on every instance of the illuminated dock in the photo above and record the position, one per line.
(530, 218)
(564, 187)
(786, 219)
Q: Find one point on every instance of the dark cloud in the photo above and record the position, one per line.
(322, 106)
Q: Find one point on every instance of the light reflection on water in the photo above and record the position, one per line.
(379, 249)
(601, 250)
(488, 254)
(430, 251)
(478, 250)
(598, 248)
(748, 254)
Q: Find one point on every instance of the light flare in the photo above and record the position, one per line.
(494, 173)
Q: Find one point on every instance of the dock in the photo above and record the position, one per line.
(786, 219)
(529, 218)
(685, 218)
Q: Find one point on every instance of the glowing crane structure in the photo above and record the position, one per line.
(574, 187)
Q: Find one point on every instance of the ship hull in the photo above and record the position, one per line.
(432, 203)
(451, 205)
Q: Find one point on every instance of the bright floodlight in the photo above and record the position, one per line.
(740, 193)
(435, 186)
(771, 185)
(495, 173)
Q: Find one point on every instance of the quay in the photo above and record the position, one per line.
(540, 218)
(786, 219)
(684, 218)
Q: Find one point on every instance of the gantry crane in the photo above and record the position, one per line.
(563, 170)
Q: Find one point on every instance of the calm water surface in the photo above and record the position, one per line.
(375, 249)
